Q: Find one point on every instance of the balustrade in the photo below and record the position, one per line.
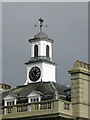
(22, 108)
(8, 110)
(43, 106)
(38, 106)
(27, 107)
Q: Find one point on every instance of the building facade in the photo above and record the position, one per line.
(41, 97)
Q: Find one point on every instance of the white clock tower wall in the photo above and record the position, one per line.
(49, 72)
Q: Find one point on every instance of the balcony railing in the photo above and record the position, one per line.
(27, 107)
(41, 57)
(38, 108)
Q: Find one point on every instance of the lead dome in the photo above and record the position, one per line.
(41, 35)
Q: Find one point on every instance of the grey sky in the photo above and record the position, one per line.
(67, 26)
(0, 42)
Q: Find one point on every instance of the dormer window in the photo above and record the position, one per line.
(9, 100)
(34, 96)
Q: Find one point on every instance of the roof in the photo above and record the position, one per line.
(40, 36)
(40, 60)
(46, 88)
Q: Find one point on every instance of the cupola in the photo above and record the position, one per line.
(40, 67)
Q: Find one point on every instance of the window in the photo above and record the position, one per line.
(34, 100)
(47, 51)
(34, 96)
(9, 100)
(10, 103)
(36, 51)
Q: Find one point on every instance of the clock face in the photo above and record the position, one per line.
(34, 73)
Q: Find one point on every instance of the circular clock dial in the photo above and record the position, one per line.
(34, 73)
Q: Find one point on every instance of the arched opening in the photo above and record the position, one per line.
(47, 51)
(36, 51)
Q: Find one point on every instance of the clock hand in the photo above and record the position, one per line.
(34, 75)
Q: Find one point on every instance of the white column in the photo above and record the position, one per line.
(15, 101)
(50, 52)
(32, 50)
(39, 99)
(40, 49)
(29, 106)
(5, 108)
(29, 100)
(5, 103)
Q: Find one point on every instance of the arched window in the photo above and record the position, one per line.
(36, 51)
(47, 51)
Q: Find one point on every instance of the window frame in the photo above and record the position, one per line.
(35, 50)
(47, 50)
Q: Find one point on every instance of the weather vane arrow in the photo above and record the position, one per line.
(41, 21)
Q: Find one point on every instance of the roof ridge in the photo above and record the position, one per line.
(52, 86)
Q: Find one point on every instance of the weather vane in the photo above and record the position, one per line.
(41, 21)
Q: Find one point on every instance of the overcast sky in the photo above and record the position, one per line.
(67, 26)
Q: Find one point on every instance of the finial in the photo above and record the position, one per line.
(41, 21)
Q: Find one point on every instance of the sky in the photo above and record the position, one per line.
(0, 42)
(44, 0)
(67, 26)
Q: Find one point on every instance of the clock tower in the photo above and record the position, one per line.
(40, 67)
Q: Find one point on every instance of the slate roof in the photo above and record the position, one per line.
(46, 88)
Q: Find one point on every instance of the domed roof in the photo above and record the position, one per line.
(41, 35)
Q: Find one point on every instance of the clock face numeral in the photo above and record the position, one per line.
(34, 73)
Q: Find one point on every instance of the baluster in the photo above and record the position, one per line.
(32, 107)
(14, 109)
(5, 110)
(29, 107)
